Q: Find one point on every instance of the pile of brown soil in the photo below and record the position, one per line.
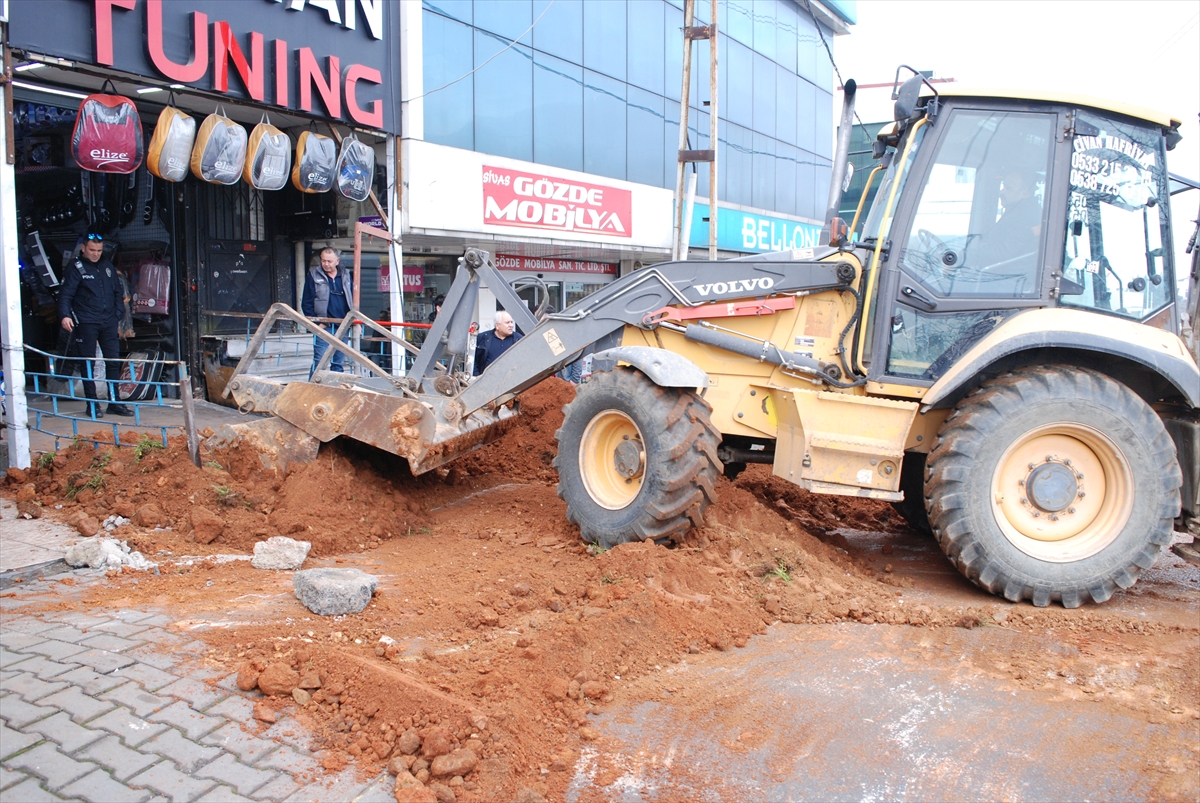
(494, 629)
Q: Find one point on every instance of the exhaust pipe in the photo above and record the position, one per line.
(841, 160)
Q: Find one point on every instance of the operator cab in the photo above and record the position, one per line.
(1007, 203)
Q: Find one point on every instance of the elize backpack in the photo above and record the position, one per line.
(108, 134)
(269, 159)
(171, 145)
(220, 150)
(355, 169)
(316, 163)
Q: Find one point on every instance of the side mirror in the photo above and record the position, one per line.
(906, 99)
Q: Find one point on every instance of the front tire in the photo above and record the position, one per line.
(635, 461)
(1053, 484)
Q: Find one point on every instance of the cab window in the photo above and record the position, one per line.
(979, 227)
(1116, 220)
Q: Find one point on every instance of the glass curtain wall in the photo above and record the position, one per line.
(595, 87)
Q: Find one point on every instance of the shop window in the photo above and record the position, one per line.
(577, 291)
(560, 32)
(763, 90)
(503, 98)
(806, 108)
(739, 166)
(785, 179)
(604, 37)
(508, 18)
(557, 113)
(645, 139)
(765, 170)
(785, 105)
(737, 71)
(603, 113)
(449, 112)
(645, 45)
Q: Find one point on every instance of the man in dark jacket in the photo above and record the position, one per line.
(492, 344)
(89, 308)
(328, 293)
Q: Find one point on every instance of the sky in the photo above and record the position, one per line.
(1144, 52)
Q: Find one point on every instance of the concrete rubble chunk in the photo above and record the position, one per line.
(279, 552)
(334, 592)
(105, 553)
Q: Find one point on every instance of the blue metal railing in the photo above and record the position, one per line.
(47, 401)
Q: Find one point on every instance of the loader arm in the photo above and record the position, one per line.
(633, 300)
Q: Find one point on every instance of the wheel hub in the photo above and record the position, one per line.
(1061, 492)
(1052, 487)
(629, 458)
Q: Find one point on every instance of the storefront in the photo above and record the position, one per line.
(204, 257)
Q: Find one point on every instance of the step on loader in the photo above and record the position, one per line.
(996, 350)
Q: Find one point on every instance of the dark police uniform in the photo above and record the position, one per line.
(92, 292)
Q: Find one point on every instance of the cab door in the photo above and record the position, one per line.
(973, 238)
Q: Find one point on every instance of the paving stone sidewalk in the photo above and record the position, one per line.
(107, 707)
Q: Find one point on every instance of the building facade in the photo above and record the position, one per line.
(586, 94)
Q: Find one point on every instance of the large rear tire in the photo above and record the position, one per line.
(912, 482)
(1053, 484)
(635, 461)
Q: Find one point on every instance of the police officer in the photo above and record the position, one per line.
(89, 306)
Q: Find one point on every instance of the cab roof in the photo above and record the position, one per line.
(953, 90)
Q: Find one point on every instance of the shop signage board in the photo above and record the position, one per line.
(540, 201)
(751, 233)
(449, 190)
(550, 265)
(414, 279)
(332, 58)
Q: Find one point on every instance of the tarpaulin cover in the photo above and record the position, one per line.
(108, 135)
(316, 163)
(171, 145)
(269, 158)
(220, 151)
(355, 169)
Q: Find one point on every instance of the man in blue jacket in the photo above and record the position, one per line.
(328, 293)
(89, 308)
(492, 344)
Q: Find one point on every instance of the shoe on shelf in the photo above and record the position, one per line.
(119, 409)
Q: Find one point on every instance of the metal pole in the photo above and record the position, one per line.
(189, 414)
(678, 245)
(712, 134)
(395, 250)
(11, 329)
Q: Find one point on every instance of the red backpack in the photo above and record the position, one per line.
(108, 134)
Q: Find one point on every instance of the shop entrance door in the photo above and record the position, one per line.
(239, 280)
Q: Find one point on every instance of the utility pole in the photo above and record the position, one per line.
(683, 201)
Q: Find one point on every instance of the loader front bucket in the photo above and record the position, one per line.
(418, 429)
(278, 443)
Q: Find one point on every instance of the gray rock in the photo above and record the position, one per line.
(334, 592)
(278, 552)
(105, 553)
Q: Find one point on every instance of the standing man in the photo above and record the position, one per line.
(328, 293)
(89, 308)
(492, 344)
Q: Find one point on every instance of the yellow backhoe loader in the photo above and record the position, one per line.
(995, 350)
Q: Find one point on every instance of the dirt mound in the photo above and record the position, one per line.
(494, 630)
(528, 449)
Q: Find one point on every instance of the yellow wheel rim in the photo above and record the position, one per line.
(1062, 492)
(612, 459)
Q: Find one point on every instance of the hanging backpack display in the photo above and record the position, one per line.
(108, 133)
(171, 145)
(355, 169)
(220, 150)
(316, 163)
(269, 157)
